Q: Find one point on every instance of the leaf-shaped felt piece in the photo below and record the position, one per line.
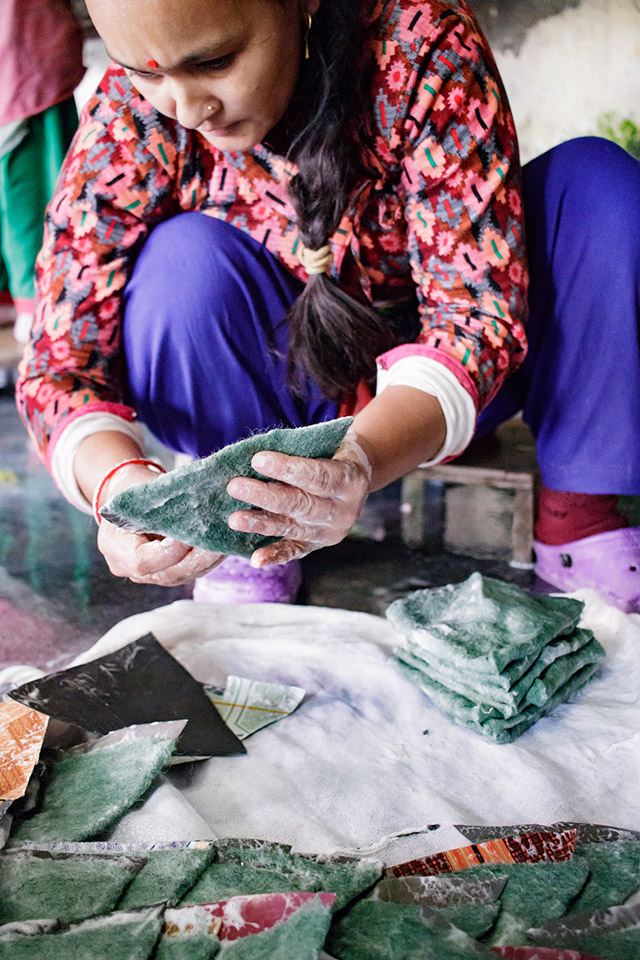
(92, 786)
(127, 936)
(63, 886)
(139, 683)
(191, 503)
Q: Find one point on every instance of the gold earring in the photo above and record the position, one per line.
(306, 36)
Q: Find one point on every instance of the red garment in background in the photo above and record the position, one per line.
(40, 56)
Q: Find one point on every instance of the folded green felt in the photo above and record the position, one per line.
(63, 886)
(614, 874)
(191, 503)
(125, 936)
(483, 625)
(299, 937)
(612, 934)
(245, 867)
(534, 894)
(471, 704)
(378, 930)
(569, 653)
(461, 710)
(88, 790)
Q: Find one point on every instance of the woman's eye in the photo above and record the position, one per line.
(218, 64)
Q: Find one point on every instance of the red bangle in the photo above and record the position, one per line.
(110, 473)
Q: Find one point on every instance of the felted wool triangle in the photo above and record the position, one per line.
(139, 683)
(191, 503)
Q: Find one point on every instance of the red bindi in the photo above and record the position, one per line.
(153, 64)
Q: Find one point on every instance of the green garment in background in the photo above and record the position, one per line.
(28, 174)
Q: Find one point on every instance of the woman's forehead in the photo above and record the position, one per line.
(172, 30)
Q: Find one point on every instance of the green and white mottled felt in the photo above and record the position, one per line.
(534, 894)
(483, 625)
(167, 875)
(254, 866)
(612, 934)
(125, 936)
(191, 503)
(614, 874)
(87, 792)
(379, 930)
(65, 887)
(300, 937)
(200, 946)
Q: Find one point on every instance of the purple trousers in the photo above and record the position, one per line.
(205, 345)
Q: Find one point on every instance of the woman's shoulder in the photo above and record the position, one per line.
(409, 23)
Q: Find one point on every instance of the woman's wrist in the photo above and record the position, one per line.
(125, 474)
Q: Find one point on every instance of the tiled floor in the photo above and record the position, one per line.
(57, 596)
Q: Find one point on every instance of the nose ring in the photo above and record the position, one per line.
(209, 107)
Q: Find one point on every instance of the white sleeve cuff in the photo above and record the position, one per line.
(64, 454)
(434, 378)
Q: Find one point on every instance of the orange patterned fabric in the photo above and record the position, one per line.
(528, 848)
(440, 219)
(21, 734)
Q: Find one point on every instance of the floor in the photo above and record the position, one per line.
(57, 596)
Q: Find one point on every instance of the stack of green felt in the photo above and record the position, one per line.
(492, 656)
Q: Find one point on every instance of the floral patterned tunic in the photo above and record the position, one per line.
(440, 219)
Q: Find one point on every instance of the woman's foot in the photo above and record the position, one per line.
(236, 581)
(607, 562)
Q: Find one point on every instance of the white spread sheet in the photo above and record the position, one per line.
(366, 755)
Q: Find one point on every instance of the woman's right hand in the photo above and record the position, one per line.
(142, 557)
(145, 558)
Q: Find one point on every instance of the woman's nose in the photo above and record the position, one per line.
(193, 104)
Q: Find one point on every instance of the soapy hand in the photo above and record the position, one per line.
(310, 504)
(147, 558)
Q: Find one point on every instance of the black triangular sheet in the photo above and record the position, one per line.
(140, 683)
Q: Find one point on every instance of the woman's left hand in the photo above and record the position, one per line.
(310, 504)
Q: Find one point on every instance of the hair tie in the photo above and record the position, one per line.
(315, 261)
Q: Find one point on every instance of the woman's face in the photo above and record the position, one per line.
(227, 68)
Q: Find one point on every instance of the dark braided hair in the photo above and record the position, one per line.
(331, 336)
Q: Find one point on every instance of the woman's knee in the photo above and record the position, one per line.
(590, 181)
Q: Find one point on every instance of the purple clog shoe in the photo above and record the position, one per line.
(236, 581)
(607, 562)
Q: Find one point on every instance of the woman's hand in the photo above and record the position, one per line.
(145, 558)
(312, 504)
(142, 557)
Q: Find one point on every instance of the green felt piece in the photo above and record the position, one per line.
(199, 946)
(376, 930)
(534, 894)
(501, 731)
(476, 919)
(614, 874)
(191, 503)
(556, 663)
(66, 887)
(300, 937)
(87, 792)
(125, 936)
(167, 875)
(612, 934)
(483, 625)
(248, 867)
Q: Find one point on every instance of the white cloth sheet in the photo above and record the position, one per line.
(366, 755)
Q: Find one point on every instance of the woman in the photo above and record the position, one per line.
(358, 168)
